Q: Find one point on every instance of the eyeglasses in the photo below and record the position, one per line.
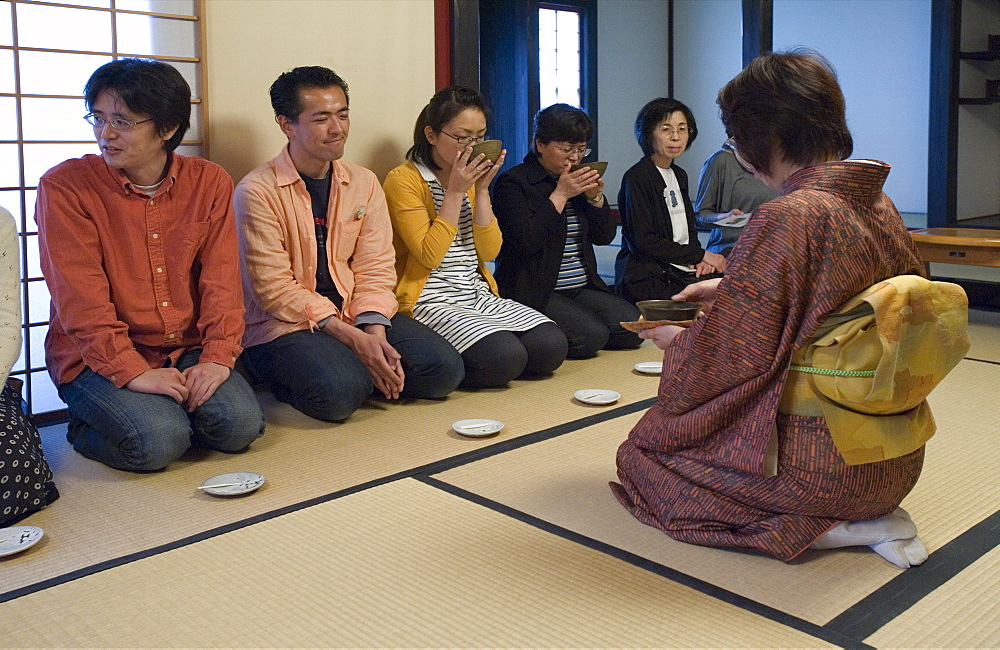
(117, 123)
(669, 130)
(466, 139)
(731, 145)
(583, 150)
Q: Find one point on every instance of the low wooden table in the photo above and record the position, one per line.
(975, 247)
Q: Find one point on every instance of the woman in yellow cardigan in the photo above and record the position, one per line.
(444, 232)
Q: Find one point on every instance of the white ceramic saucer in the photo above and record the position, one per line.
(18, 538)
(649, 367)
(596, 396)
(232, 484)
(477, 427)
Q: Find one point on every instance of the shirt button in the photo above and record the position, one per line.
(312, 237)
(172, 336)
(155, 236)
(152, 201)
(159, 269)
(165, 303)
(114, 378)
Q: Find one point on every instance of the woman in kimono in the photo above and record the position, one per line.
(718, 461)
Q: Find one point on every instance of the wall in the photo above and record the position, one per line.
(384, 49)
(632, 69)
(884, 69)
(708, 51)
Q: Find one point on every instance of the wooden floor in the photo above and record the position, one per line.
(390, 530)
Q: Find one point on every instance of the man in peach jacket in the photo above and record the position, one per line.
(318, 268)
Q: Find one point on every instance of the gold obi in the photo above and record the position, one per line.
(870, 366)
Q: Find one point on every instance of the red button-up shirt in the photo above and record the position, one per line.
(136, 280)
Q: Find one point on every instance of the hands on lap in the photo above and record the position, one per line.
(371, 346)
(190, 388)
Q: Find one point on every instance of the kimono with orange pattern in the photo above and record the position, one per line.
(694, 465)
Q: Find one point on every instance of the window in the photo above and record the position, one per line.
(559, 56)
(47, 52)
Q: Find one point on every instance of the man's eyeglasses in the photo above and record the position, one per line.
(466, 139)
(669, 130)
(117, 123)
(731, 145)
(583, 150)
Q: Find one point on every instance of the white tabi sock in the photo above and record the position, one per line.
(894, 526)
(904, 553)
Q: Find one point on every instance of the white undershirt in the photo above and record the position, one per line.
(675, 206)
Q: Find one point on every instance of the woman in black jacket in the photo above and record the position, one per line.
(660, 252)
(551, 219)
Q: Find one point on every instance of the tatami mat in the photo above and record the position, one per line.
(403, 564)
(564, 481)
(963, 613)
(984, 334)
(104, 514)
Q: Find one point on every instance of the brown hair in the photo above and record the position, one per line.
(789, 103)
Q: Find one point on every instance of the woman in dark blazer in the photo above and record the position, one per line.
(551, 219)
(660, 252)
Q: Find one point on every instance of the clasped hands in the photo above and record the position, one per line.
(190, 388)
(381, 359)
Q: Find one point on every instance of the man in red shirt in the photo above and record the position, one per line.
(138, 248)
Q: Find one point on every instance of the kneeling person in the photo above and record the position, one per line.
(318, 268)
(138, 247)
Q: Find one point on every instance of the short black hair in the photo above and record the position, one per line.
(562, 123)
(285, 89)
(445, 105)
(149, 88)
(656, 111)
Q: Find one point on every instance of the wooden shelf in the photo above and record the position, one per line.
(980, 101)
(980, 56)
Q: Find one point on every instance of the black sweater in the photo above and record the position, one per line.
(534, 234)
(648, 244)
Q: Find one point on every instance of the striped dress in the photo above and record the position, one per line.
(456, 302)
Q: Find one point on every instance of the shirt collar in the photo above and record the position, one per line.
(425, 171)
(286, 173)
(130, 188)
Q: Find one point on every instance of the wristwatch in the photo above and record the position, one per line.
(597, 199)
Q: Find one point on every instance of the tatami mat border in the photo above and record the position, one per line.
(430, 468)
(867, 616)
(707, 588)
(848, 629)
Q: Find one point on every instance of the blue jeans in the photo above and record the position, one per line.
(141, 432)
(323, 378)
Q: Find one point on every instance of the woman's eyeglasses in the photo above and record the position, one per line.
(583, 150)
(466, 139)
(731, 145)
